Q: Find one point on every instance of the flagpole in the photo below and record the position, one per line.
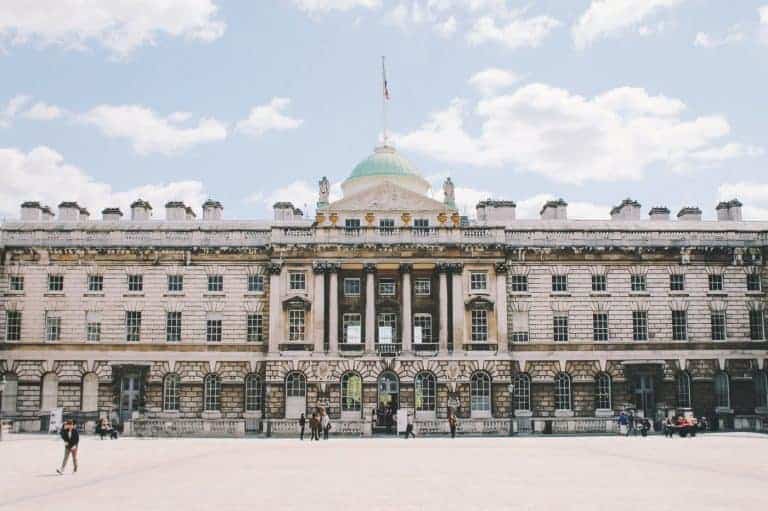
(384, 98)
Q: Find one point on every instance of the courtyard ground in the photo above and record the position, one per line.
(710, 472)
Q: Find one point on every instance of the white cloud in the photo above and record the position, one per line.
(735, 34)
(43, 175)
(42, 111)
(446, 28)
(604, 18)
(268, 117)
(301, 193)
(763, 14)
(321, 6)
(12, 108)
(120, 26)
(753, 195)
(491, 80)
(517, 32)
(568, 138)
(151, 133)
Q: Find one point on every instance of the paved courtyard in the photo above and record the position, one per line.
(724, 471)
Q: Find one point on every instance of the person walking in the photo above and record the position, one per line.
(452, 423)
(71, 440)
(409, 427)
(302, 424)
(631, 424)
(325, 422)
(623, 420)
(314, 426)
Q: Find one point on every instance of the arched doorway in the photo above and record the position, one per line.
(388, 401)
(295, 395)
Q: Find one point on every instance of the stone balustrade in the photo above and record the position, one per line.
(188, 427)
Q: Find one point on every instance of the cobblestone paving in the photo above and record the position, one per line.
(715, 472)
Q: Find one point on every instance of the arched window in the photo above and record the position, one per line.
(683, 382)
(351, 392)
(10, 395)
(562, 391)
(761, 389)
(480, 393)
(50, 392)
(254, 391)
(424, 389)
(603, 391)
(522, 398)
(212, 393)
(90, 393)
(295, 385)
(171, 392)
(722, 390)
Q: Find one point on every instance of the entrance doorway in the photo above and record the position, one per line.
(295, 395)
(388, 401)
(129, 396)
(644, 395)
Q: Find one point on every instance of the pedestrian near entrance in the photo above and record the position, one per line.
(314, 427)
(71, 440)
(302, 423)
(409, 427)
(631, 424)
(623, 422)
(325, 422)
(452, 424)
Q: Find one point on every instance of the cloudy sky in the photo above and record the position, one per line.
(103, 101)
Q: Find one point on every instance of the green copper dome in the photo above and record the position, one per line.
(384, 162)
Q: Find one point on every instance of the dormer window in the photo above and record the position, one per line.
(386, 226)
(352, 226)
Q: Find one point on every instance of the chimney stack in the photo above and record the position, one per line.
(628, 210)
(689, 214)
(659, 213)
(175, 211)
(212, 210)
(481, 212)
(284, 211)
(85, 215)
(47, 214)
(729, 211)
(554, 210)
(111, 214)
(141, 211)
(69, 212)
(499, 211)
(31, 211)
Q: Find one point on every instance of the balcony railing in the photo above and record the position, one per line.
(425, 348)
(341, 234)
(296, 346)
(388, 349)
(480, 346)
(352, 348)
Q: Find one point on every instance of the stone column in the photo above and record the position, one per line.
(501, 307)
(318, 307)
(333, 308)
(275, 271)
(370, 308)
(442, 269)
(406, 313)
(457, 283)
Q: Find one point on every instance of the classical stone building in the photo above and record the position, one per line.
(387, 299)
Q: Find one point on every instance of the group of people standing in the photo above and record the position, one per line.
(319, 422)
(629, 425)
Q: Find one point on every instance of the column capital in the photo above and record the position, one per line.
(501, 268)
(274, 268)
(369, 268)
(456, 267)
(406, 268)
(443, 267)
(320, 267)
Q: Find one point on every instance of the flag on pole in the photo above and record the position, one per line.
(384, 77)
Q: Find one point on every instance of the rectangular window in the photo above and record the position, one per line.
(677, 282)
(296, 325)
(479, 325)
(386, 226)
(12, 325)
(213, 330)
(520, 326)
(600, 326)
(478, 281)
(518, 283)
(352, 226)
(135, 283)
(55, 283)
(638, 283)
(215, 283)
(718, 323)
(386, 287)
(640, 325)
(422, 328)
(559, 283)
(753, 282)
(756, 325)
(422, 287)
(132, 326)
(173, 327)
(52, 327)
(560, 327)
(421, 226)
(17, 283)
(350, 324)
(255, 283)
(679, 325)
(352, 286)
(95, 283)
(716, 282)
(255, 327)
(599, 284)
(297, 281)
(93, 326)
(387, 323)
(175, 283)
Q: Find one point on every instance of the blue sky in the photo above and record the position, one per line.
(251, 102)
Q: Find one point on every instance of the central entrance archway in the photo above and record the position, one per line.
(388, 401)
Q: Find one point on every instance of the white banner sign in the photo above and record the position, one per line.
(353, 334)
(385, 335)
(417, 335)
(56, 420)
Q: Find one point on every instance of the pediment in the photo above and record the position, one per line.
(387, 196)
